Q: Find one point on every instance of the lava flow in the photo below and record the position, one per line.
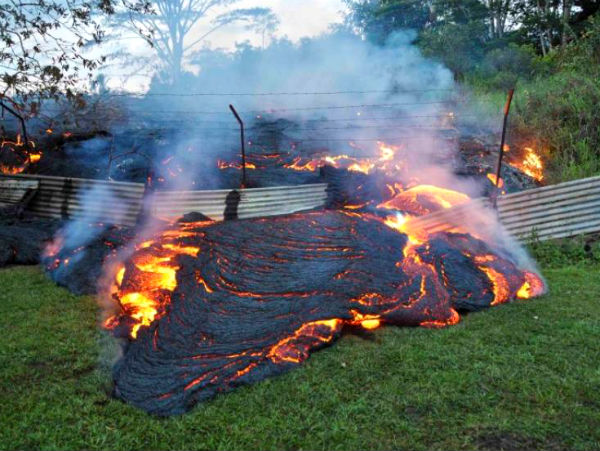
(209, 306)
(531, 164)
(15, 156)
(151, 279)
(385, 161)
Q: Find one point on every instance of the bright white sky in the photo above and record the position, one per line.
(298, 19)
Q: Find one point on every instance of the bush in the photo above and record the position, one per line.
(560, 113)
(502, 67)
(458, 47)
(565, 252)
(555, 110)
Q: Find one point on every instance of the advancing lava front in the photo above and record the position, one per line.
(209, 306)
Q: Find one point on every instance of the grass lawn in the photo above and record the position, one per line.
(525, 375)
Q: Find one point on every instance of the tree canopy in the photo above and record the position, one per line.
(462, 32)
(45, 42)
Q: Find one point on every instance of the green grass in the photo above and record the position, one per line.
(524, 375)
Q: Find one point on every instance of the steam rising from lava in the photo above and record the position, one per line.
(210, 306)
(205, 307)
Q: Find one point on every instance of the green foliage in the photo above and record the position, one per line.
(519, 376)
(578, 251)
(582, 55)
(502, 67)
(377, 19)
(555, 110)
(459, 47)
(559, 114)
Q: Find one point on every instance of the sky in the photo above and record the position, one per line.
(298, 19)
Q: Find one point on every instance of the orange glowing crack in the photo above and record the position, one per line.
(287, 351)
(452, 320)
(500, 286)
(364, 165)
(226, 165)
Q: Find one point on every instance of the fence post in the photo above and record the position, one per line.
(239, 119)
(502, 141)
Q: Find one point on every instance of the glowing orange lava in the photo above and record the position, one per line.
(499, 283)
(153, 273)
(21, 154)
(295, 349)
(492, 178)
(227, 165)
(424, 199)
(385, 161)
(531, 164)
(532, 287)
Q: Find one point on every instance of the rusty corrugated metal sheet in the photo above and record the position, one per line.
(13, 191)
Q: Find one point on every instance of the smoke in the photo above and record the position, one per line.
(337, 94)
(340, 93)
(74, 241)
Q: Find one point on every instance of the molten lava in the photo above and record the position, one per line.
(226, 165)
(385, 161)
(492, 178)
(15, 156)
(531, 164)
(424, 199)
(151, 277)
(209, 306)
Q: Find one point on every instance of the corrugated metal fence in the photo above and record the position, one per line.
(121, 203)
(242, 203)
(556, 211)
(93, 200)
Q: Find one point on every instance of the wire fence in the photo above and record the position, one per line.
(269, 94)
(267, 111)
(381, 118)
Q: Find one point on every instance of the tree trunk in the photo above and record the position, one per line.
(177, 62)
(566, 18)
(543, 45)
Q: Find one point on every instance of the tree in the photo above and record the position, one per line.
(499, 13)
(169, 30)
(453, 31)
(44, 43)
(553, 23)
(377, 19)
